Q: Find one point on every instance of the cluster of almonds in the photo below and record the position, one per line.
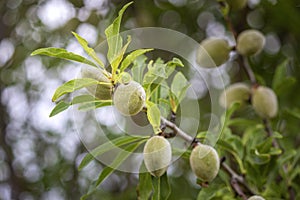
(215, 52)
(129, 99)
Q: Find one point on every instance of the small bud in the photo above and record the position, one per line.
(205, 162)
(125, 78)
(264, 102)
(213, 52)
(157, 155)
(129, 98)
(237, 92)
(256, 197)
(250, 42)
(102, 92)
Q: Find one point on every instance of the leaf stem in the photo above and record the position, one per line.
(245, 64)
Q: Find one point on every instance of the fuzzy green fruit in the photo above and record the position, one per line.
(129, 98)
(256, 197)
(205, 162)
(250, 42)
(213, 52)
(157, 155)
(236, 4)
(237, 92)
(264, 102)
(102, 92)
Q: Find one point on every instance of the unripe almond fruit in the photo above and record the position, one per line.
(213, 52)
(264, 102)
(157, 155)
(250, 42)
(205, 162)
(236, 4)
(237, 92)
(100, 91)
(129, 98)
(256, 197)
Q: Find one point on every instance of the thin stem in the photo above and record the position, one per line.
(249, 71)
(235, 179)
(230, 26)
(241, 60)
(232, 172)
(177, 131)
(269, 131)
(237, 188)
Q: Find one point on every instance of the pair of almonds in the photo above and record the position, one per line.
(264, 100)
(214, 51)
(204, 159)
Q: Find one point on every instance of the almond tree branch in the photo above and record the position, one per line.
(236, 179)
(177, 131)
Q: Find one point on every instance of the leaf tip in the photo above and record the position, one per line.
(33, 53)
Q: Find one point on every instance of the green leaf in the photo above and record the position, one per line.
(62, 53)
(286, 157)
(82, 99)
(295, 112)
(89, 102)
(121, 157)
(86, 98)
(145, 184)
(214, 191)
(259, 158)
(87, 49)
(175, 62)
(94, 105)
(137, 70)
(241, 122)
(61, 106)
(228, 147)
(178, 88)
(285, 86)
(130, 58)
(114, 40)
(118, 58)
(73, 85)
(227, 115)
(153, 114)
(281, 81)
(161, 187)
(118, 142)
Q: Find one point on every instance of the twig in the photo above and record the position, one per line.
(237, 188)
(177, 131)
(269, 131)
(235, 180)
(249, 71)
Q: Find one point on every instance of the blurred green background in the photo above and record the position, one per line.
(39, 155)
